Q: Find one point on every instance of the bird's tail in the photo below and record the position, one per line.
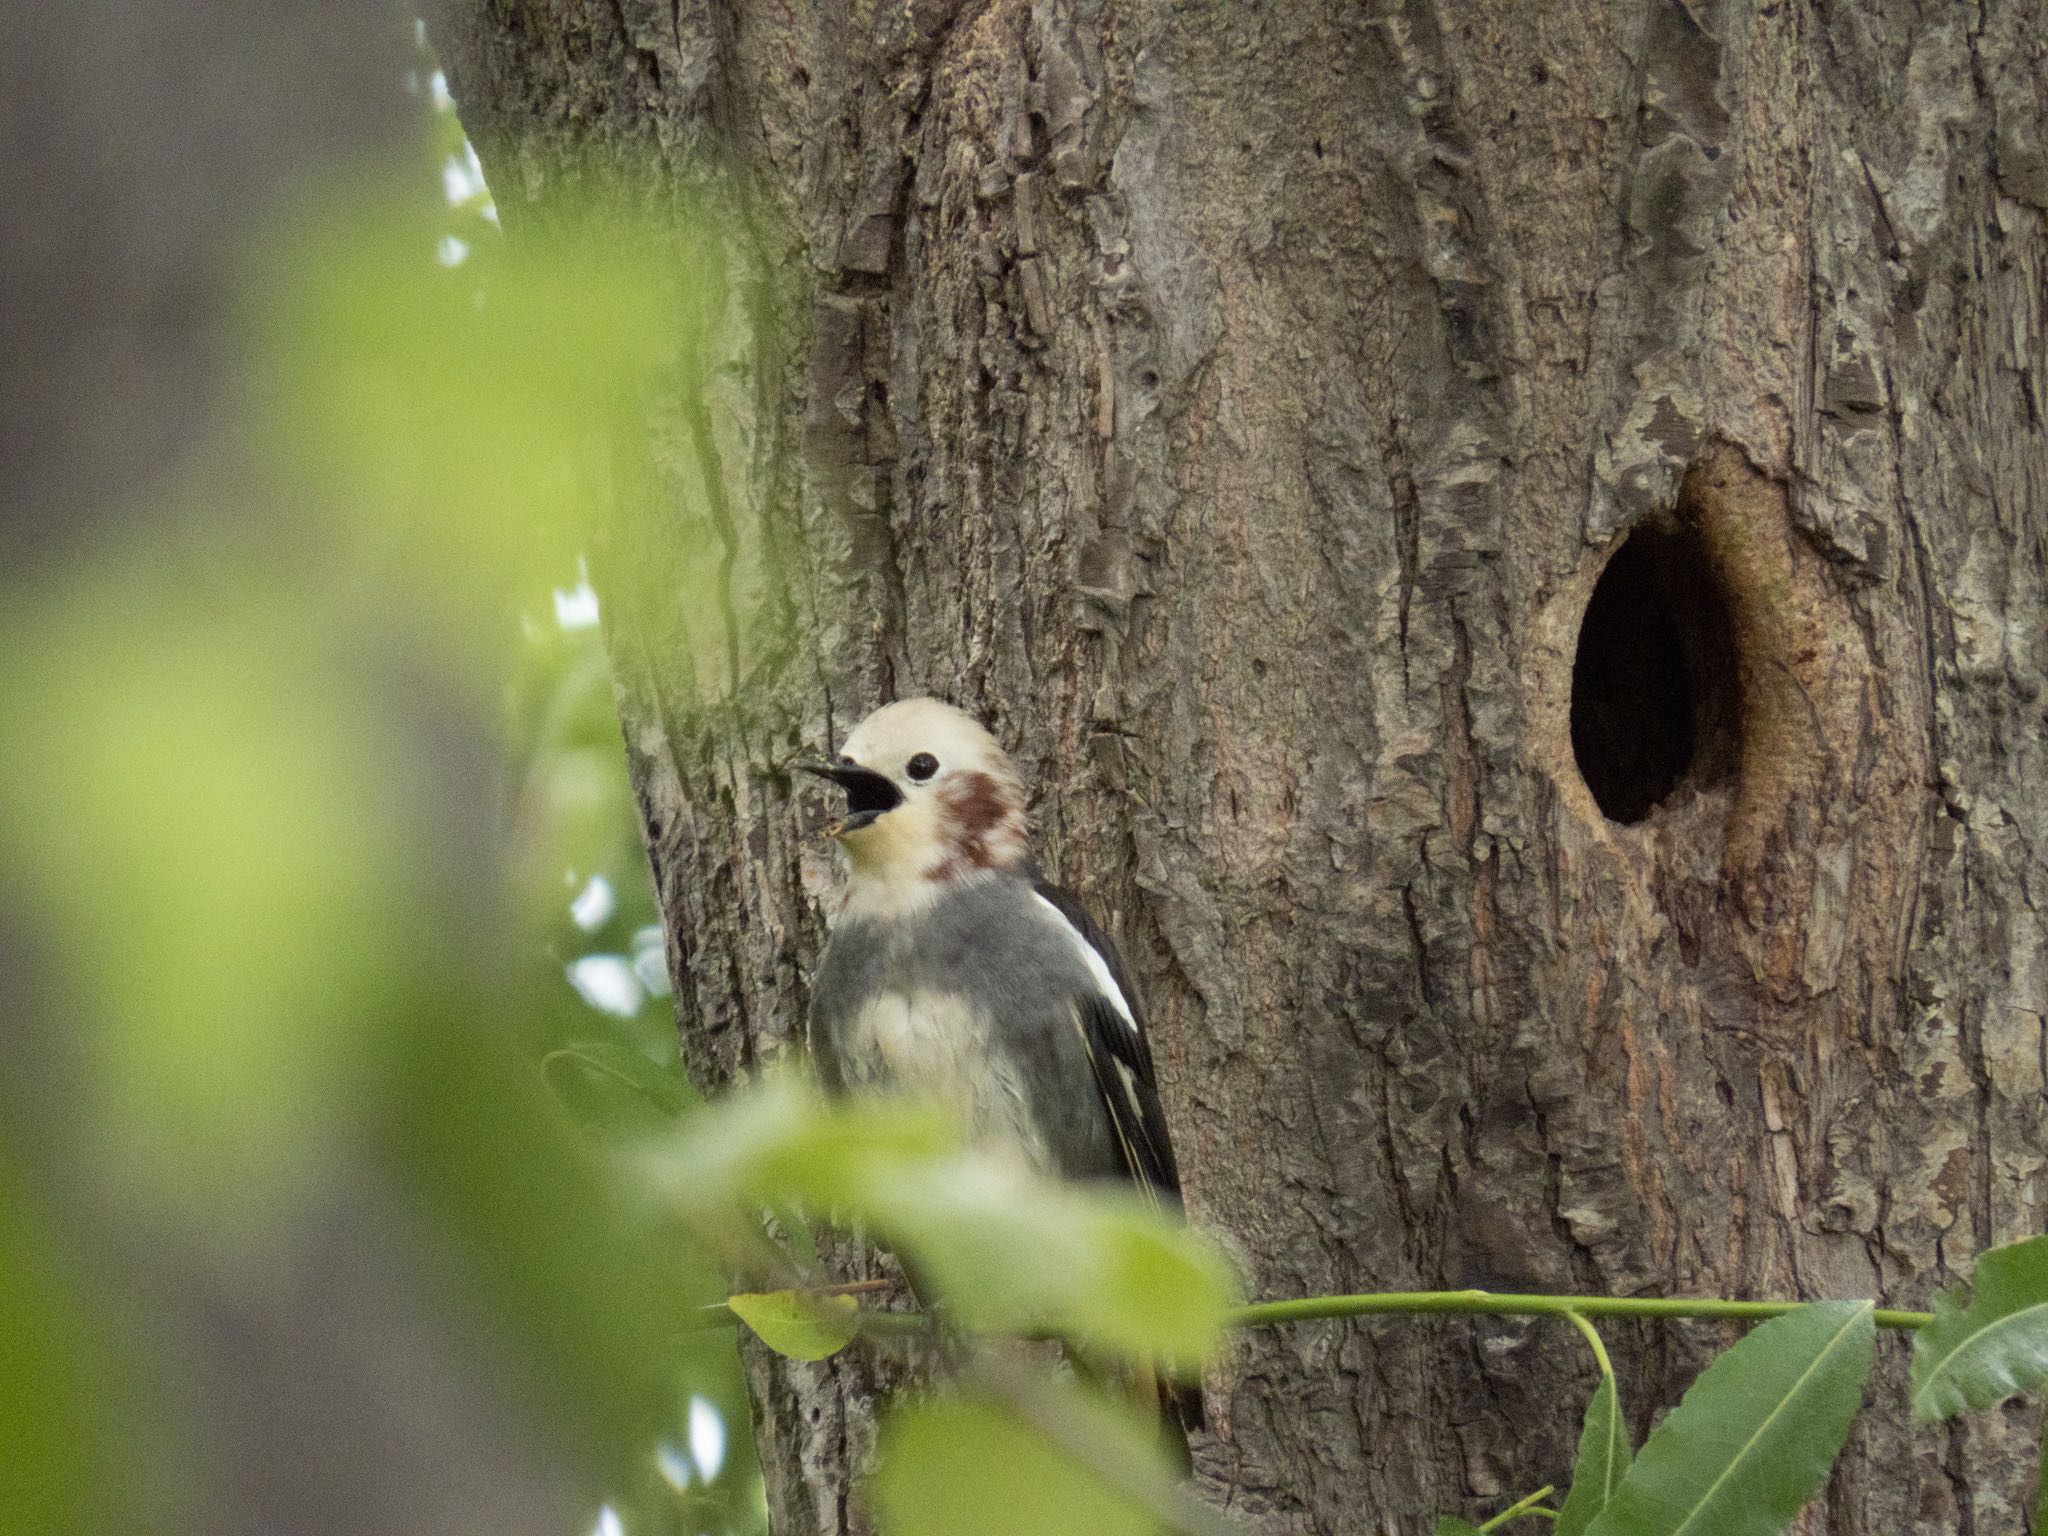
(1181, 1413)
(1175, 1406)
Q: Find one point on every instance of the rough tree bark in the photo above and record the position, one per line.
(1237, 405)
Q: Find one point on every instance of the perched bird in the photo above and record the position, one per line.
(954, 971)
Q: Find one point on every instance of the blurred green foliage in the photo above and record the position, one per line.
(62, 1408)
(193, 744)
(1007, 1251)
(964, 1464)
(315, 807)
(242, 808)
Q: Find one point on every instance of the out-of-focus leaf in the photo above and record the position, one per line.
(1755, 1435)
(571, 806)
(963, 1467)
(796, 1231)
(467, 416)
(1973, 1355)
(61, 1385)
(1451, 1525)
(612, 1089)
(800, 1324)
(239, 763)
(780, 1141)
(574, 711)
(1008, 1250)
(201, 802)
(1163, 1288)
(580, 1281)
(1602, 1461)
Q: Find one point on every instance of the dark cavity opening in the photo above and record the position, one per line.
(1655, 696)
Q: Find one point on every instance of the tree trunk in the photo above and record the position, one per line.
(1237, 405)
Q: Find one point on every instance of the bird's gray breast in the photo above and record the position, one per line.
(940, 1047)
(969, 1004)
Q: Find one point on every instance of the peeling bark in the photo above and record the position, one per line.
(1237, 405)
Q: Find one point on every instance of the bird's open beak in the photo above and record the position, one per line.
(868, 794)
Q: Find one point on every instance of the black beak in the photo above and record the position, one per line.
(868, 794)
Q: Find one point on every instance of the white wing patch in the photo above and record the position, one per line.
(1098, 967)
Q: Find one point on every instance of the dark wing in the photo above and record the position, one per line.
(1122, 1062)
(1120, 1057)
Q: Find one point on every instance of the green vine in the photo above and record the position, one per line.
(1263, 1314)
(1476, 1303)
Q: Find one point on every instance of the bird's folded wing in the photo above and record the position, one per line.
(1123, 1076)
(1113, 1034)
(1112, 1031)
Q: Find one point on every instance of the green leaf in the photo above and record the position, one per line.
(230, 938)
(800, 1324)
(379, 360)
(1009, 1251)
(1973, 1356)
(1006, 1250)
(608, 1087)
(1451, 1525)
(580, 1279)
(963, 1467)
(1603, 1459)
(1755, 1435)
(779, 1142)
(796, 1232)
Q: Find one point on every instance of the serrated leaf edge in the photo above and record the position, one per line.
(1968, 1342)
(1613, 1467)
(1820, 1357)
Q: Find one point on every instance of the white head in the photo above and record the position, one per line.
(930, 799)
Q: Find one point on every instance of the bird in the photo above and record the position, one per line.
(955, 971)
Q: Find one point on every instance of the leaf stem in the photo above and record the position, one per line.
(1593, 1338)
(1265, 1314)
(1574, 1309)
(1520, 1507)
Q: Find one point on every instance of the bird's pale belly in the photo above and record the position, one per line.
(935, 1046)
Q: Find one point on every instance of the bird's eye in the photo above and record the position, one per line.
(922, 766)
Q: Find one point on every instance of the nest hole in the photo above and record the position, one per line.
(1656, 694)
